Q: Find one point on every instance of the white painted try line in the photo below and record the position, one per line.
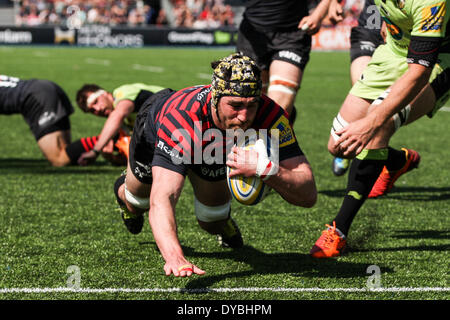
(446, 109)
(148, 68)
(204, 76)
(102, 62)
(217, 290)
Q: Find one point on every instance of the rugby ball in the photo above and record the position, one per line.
(247, 190)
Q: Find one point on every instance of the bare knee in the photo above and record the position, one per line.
(59, 160)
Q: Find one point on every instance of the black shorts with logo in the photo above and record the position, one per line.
(291, 46)
(141, 149)
(364, 42)
(46, 109)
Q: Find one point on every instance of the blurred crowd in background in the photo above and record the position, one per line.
(199, 14)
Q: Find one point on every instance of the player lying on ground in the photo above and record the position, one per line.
(46, 109)
(120, 107)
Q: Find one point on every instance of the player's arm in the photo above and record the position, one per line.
(422, 56)
(313, 22)
(166, 190)
(294, 181)
(292, 178)
(114, 122)
(335, 12)
(110, 129)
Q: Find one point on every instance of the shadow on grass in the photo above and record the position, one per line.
(403, 193)
(42, 166)
(422, 234)
(290, 263)
(443, 247)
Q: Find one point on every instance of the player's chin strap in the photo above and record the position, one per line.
(264, 166)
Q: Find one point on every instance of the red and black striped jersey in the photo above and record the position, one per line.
(180, 126)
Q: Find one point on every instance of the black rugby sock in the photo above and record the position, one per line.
(364, 171)
(78, 147)
(120, 181)
(396, 159)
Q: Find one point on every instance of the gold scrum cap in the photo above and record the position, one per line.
(235, 75)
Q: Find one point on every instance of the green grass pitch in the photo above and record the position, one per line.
(53, 218)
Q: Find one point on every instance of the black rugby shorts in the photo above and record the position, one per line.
(265, 46)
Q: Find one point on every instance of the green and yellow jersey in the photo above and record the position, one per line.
(408, 18)
(136, 92)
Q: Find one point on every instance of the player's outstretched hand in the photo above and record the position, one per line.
(182, 269)
(87, 158)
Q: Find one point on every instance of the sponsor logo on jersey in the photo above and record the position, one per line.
(119, 95)
(175, 156)
(212, 172)
(286, 136)
(433, 18)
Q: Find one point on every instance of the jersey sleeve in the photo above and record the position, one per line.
(125, 92)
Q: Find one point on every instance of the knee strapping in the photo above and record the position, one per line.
(278, 83)
(399, 118)
(211, 213)
(338, 124)
(138, 202)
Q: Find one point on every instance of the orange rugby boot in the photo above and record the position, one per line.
(386, 180)
(330, 243)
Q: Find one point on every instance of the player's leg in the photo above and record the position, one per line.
(290, 55)
(284, 82)
(132, 189)
(133, 197)
(212, 203)
(53, 147)
(340, 165)
(431, 98)
(352, 109)
(365, 168)
(75, 149)
(47, 114)
(363, 44)
(357, 66)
